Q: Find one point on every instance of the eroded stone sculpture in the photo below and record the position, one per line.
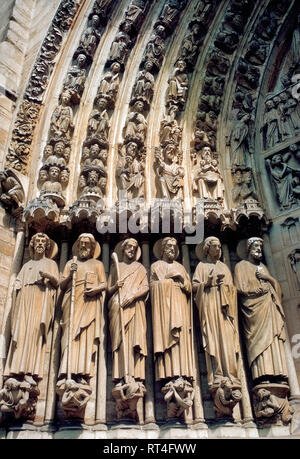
(170, 289)
(128, 290)
(83, 283)
(263, 321)
(216, 300)
(31, 321)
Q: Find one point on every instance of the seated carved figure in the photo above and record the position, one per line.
(207, 180)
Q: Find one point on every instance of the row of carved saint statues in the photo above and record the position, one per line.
(86, 291)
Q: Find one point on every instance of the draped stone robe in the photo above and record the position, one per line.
(135, 280)
(171, 316)
(217, 308)
(263, 321)
(31, 319)
(85, 334)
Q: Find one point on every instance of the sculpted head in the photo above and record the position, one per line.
(254, 248)
(129, 249)
(39, 243)
(169, 249)
(212, 248)
(86, 246)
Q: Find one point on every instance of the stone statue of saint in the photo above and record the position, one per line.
(62, 118)
(262, 315)
(128, 290)
(170, 289)
(216, 300)
(32, 315)
(169, 173)
(77, 361)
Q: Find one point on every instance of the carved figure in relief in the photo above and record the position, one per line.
(286, 125)
(169, 173)
(91, 36)
(110, 83)
(128, 290)
(295, 45)
(136, 125)
(53, 183)
(156, 45)
(76, 77)
(170, 131)
(262, 315)
(170, 289)
(270, 125)
(190, 43)
(281, 176)
(178, 85)
(81, 319)
(99, 120)
(135, 12)
(11, 190)
(62, 118)
(179, 395)
(269, 408)
(143, 87)
(130, 173)
(120, 46)
(240, 140)
(216, 300)
(32, 314)
(207, 178)
(248, 191)
(294, 258)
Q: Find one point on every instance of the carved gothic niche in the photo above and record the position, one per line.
(284, 173)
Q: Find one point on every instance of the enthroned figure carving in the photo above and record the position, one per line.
(83, 283)
(170, 289)
(128, 290)
(32, 314)
(207, 180)
(216, 300)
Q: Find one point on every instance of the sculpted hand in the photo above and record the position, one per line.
(127, 302)
(209, 279)
(220, 278)
(261, 275)
(73, 267)
(91, 291)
